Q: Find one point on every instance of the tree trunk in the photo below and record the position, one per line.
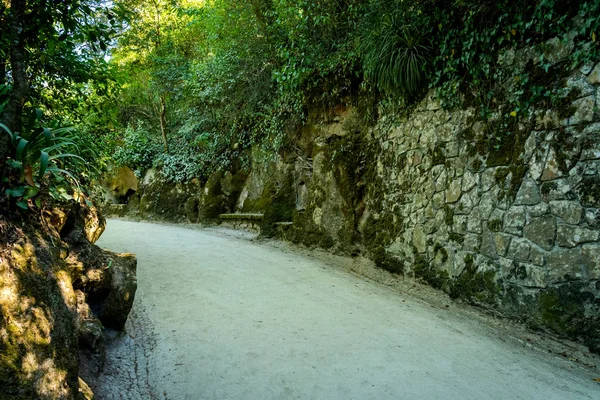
(163, 122)
(13, 110)
(2, 72)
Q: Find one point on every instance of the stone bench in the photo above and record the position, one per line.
(242, 216)
(245, 221)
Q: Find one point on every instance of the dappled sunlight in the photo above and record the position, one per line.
(51, 383)
(37, 305)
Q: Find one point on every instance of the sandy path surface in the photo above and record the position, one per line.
(218, 317)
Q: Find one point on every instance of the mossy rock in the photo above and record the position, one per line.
(386, 261)
(425, 271)
(39, 320)
(475, 286)
(562, 309)
(279, 202)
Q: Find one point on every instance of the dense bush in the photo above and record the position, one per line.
(137, 150)
(216, 79)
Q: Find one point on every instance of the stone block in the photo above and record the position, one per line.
(474, 224)
(594, 76)
(570, 212)
(590, 258)
(419, 239)
(541, 231)
(552, 168)
(486, 205)
(529, 193)
(468, 201)
(459, 263)
(537, 256)
(438, 201)
(584, 111)
(502, 242)
(441, 181)
(572, 236)
(460, 224)
(530, 146)
(546, 119)
(469, 181)
(559, 189)
(524, 274)
(538, 162)
(519, 249)
(488, 179)
(590, 168)
(488, 245)
(453, 192)
(538, 210)
(581, 83)
(565, 265)
(591, 151)
(514, 220)
(588, 191)
(586, 69)
(452, 149)
(557, 49)
(472, 243)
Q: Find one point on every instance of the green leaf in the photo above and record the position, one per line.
(30, 192)
(22, 204)
(18, 165)
(44, 159)
(7, 130)
(16, 192)
(48, 134)
(22, 144)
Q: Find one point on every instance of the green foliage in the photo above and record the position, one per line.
(474, 36)
(396, 51)
(183, 165)
(215, 79)
(42, 160)
(65, 46)
(137, 150)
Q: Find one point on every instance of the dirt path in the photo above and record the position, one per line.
(219, 317)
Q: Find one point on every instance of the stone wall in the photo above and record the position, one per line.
(513, 223)
(505, 219)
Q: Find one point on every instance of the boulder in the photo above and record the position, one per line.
(121, 184)
(90, 329)
(57, 290)
(38, 320)
(113, 309)
(108, 281)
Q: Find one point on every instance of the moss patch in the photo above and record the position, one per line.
(387, 261)
(456, 238)
(448, 215)
(472, 285)
(588, 191)
(495, 225)
(516, 173)
(425, 271)
(281, 198)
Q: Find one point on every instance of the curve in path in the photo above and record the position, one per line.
(223, 318)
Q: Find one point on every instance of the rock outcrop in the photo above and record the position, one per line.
(57, 289)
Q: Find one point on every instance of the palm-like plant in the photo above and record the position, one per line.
(41, 158)
(395, 55)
